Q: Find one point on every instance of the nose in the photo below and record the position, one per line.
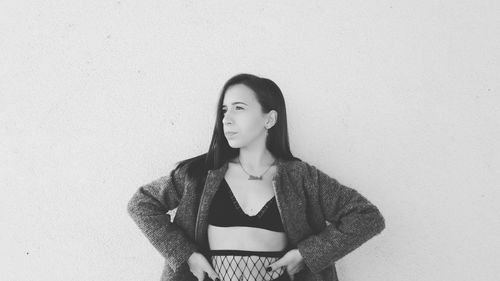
(226, 120)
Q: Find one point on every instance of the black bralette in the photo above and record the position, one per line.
(226, 211)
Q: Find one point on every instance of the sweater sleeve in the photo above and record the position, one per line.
(353, 220)
(148, 208)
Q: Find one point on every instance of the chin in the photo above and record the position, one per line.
(234, 144)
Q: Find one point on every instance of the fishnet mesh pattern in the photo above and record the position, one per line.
(245, 268)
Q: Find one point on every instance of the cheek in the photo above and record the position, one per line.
(248, 122)
(250, 125)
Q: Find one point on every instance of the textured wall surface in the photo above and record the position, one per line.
(398, 99)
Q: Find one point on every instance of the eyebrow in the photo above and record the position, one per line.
(236, 103)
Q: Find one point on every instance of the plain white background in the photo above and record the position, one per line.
(397, 99)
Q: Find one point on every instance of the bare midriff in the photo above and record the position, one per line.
(245, 238)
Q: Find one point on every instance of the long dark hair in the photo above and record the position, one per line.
(269, 96)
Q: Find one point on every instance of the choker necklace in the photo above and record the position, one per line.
(252, 177)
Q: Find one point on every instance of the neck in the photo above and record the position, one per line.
(255, 161)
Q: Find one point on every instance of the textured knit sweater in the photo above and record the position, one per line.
(307, 199)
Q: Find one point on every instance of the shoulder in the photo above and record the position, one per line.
(299, 166)
(190, 169)
(301, 170)
(179, 171)
(179, 174)
(309, 175)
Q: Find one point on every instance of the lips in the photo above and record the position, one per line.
(229, 134)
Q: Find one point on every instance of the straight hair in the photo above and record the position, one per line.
(270, 97)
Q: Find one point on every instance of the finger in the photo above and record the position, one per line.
(213, 275)
(291, 273)
(277, 264)
(210, 271)
(201, 276)
(295, 268)
(271, 267)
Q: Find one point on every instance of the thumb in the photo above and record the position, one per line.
(211, 272)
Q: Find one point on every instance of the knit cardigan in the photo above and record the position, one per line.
(322, 218)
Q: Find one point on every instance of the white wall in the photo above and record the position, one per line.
(398, 99)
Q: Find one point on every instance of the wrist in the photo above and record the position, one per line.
(299, 254)
(192, 256)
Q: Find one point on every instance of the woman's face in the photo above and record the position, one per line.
(242, 114)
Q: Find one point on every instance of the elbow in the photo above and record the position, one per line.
(132, 206)
(378, 222)
(134, 203)
(372, 223)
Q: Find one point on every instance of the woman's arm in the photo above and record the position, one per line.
(148, 207)
(353, 221)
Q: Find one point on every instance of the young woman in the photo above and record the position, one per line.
(248, 209)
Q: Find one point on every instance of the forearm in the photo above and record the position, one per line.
(353, 220)
(149, 212)
(170, 241)
(325, 248)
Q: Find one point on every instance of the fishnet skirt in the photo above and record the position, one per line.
(238, 265)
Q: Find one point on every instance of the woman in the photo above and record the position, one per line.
(248, 209)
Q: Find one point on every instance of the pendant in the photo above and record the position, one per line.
(255, 178)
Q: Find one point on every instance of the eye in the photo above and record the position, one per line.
(237, 107)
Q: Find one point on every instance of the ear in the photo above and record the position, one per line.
(272, 118)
